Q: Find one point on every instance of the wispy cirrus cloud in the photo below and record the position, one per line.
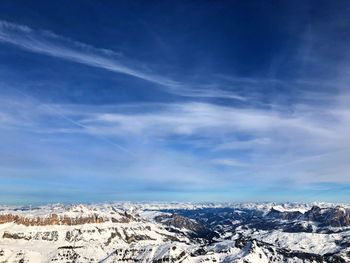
(301, 139)
(205, 85)
(209, 120)
(48, 43)
(249, 139)
(300, 136)
(301, 144)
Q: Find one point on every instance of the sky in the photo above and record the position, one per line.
(191, 101)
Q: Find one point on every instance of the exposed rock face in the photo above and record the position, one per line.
(313, 214)
(182, 222)
(46, 235)
(60, 215)
(52, 219)
(336, 217)
(294, 215)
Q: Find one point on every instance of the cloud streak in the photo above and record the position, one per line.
(301, 140)
(248, 140)
(265, 131)
(50, 44)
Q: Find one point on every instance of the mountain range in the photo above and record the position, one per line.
(176, 232)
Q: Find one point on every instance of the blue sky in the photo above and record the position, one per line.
(185, 100)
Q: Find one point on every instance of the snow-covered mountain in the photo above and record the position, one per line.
(176, 232)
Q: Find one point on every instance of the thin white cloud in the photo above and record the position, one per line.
(31, 115)
(207, 120)
(277, 143)
(50, 44)
(244, 144)
(282, 136)
(228, 162)
(278, 139)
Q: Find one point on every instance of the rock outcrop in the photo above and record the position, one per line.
(52, 219)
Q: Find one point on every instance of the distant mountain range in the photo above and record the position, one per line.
(176, 232)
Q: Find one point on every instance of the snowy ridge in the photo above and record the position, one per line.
(177, 232)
